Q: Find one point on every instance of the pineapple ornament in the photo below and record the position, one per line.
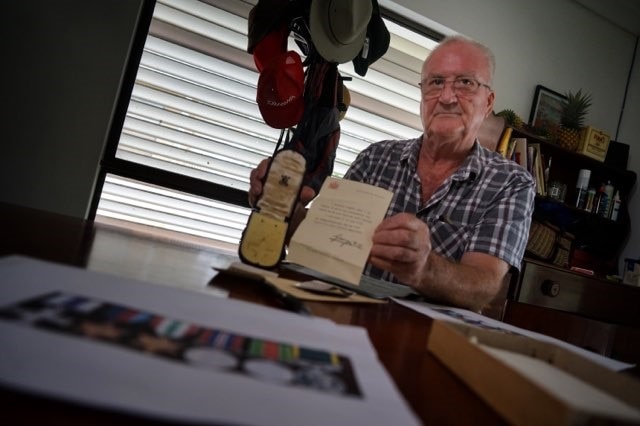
(574, 110)
(511, 118)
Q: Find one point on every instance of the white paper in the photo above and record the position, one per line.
(335, 237)
(464, 316)
(113, 375)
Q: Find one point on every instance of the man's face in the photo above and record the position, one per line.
(450, 115)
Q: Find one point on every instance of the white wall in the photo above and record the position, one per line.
(556, 43)
(62, 66)
(630, 133)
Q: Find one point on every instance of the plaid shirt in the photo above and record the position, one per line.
(485, 206)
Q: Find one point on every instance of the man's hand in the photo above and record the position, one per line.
(256, 178)
(401, 245)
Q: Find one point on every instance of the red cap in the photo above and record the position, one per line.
(280, 91)
(270, 46)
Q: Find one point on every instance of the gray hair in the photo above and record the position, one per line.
(488, 54)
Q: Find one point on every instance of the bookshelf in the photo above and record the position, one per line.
(598, 241)
(590, 311)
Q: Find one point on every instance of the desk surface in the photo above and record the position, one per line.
(398, 334)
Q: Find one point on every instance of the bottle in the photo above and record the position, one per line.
(591, 196)
(616, 206)
(555, 190)
(601, 203)
(609, 190)
(581, 187)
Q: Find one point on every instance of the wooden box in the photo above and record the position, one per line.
(531, 382)
(594, 143)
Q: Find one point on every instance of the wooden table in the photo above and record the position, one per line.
(398, 334)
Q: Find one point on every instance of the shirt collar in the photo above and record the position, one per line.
(472, 165)
(411, 152)
(469, 170)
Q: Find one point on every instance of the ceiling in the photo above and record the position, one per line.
(624, 13)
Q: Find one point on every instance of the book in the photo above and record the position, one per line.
(533, 166)
(538, 170)
(511, 149)
(503, 144)
(540, 173)
(520, 151)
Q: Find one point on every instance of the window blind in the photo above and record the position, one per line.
(193, 112)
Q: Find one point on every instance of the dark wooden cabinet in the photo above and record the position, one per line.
(593, 313)
(597, 241)
(557, 288)
(589, 311)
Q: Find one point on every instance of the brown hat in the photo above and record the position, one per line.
(338, 27)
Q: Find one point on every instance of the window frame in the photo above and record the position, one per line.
(110, 164)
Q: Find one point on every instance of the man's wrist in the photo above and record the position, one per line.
(298, 215)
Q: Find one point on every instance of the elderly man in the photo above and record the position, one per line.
(460, 213)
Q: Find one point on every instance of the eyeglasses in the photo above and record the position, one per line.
(462, 86)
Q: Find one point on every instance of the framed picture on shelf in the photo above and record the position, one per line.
(546, 109)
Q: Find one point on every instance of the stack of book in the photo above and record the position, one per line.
(528, 155)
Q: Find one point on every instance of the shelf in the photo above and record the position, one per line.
(586, 162)
(598, 241)
(577, 211)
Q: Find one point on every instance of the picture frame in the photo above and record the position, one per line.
(546, 108)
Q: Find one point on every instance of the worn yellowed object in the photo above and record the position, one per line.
(263, 240)
(593, 143)
(282, 184)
